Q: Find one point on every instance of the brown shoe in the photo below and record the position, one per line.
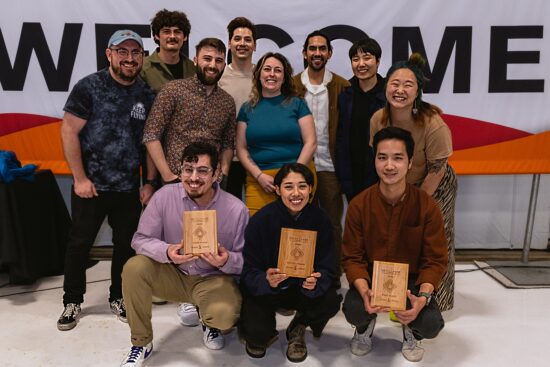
(255, 351)
(297, 350)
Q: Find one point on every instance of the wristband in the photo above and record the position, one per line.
(258, 176)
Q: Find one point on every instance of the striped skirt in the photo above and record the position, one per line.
(445, 195)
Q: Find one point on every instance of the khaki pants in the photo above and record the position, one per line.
(217, 297)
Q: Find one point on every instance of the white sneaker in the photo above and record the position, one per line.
(137, 355)
(212, 338)
(188, 314)
(361, 343)
(411, 347)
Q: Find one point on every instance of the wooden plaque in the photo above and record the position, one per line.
(297, 252)
(389, 285)
(200, 233)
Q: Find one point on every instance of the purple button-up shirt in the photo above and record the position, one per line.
(161, 225)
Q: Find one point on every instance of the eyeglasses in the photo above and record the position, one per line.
(202, 172)
(122, 52)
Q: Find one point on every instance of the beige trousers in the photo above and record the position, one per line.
(217, 297)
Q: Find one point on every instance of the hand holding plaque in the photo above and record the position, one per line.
(389, 285)
(296, 252)
(200, 233)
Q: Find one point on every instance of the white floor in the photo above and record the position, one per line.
(490, 326)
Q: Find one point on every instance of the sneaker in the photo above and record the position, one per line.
(411, 347)
(212, 338)
(69, 317)
(297, 349)
(119, 309)
(188, 314)
(361, 343)
(137, 355)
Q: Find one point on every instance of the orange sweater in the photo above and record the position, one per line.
(410, 232)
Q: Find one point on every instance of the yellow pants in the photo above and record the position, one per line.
(255, 196)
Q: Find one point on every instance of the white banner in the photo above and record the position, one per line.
(496, 42)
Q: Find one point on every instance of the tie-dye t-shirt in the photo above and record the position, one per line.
(110, 141)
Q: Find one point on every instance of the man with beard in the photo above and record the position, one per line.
(320, 88)
(170, 30)
(356, 105)
(160, 267)
(190, 110)
(101, 133)
(237, 81)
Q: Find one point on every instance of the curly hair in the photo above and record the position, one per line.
(167, 18)
(288, 88)
(425, 110)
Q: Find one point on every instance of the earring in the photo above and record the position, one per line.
(414, 110)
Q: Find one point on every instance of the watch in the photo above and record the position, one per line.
(427, 295)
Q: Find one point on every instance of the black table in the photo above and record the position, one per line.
(34, 226)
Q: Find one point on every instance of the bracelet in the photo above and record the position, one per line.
(258, 176)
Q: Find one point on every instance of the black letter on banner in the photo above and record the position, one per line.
(33, 38)
(459, 36)
(276, 34)
(501, 57)
(345, 32)
(104, 31)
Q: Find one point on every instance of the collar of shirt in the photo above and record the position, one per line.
(316, 89)
(201, 88)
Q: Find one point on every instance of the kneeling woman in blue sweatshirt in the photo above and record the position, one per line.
(265, 288)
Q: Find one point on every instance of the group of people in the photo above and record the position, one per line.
(165, 135)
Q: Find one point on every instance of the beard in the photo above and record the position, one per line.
(208, 80)
(128, 76)
(315, 67)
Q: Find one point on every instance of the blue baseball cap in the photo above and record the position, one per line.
(123, 35)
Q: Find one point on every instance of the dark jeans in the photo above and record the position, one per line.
(427, 324)
(236, 180)
(122, 210)
(258, 325)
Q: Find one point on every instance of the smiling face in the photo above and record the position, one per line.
(272, 77)
(242, 44)
(401, 89)
(391, 162)
(294, 192)
(125, 69)
(317, 53)
(170, 39)
(364, 65)
(209, 64)
(197, 179)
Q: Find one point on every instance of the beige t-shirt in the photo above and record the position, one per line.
(237, 84)
(432, 141)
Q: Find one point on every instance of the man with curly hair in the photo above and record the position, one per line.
(170, 30)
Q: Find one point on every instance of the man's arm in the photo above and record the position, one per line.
(148, 189)
(225, 158)
(154, 148)
(70, 128)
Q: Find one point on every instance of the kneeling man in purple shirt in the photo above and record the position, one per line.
(161, 269)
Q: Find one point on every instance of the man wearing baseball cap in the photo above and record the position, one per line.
(101, 133)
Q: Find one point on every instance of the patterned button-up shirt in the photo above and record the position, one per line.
(183, 113)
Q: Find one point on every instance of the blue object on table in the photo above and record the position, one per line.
(10, 168)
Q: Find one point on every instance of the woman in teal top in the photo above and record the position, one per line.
(274, 127)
